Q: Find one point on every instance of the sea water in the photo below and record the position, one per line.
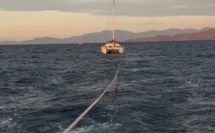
(162, 87)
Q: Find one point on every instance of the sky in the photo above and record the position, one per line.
(27, 19)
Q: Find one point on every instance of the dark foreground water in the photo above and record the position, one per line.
(163, 87)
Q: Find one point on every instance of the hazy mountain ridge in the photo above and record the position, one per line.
(206, 34)
(103, 36)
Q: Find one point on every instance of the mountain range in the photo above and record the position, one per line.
(206, 33)
(201, 35)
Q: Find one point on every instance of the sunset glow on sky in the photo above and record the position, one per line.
(27, 19)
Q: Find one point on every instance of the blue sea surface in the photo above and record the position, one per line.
(163, 87)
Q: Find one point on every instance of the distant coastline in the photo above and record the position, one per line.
(206, 33)
(202, 35)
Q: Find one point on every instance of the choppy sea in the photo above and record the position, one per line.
(163, 87)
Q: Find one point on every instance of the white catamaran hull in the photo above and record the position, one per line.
(106, 50)
(112, 47)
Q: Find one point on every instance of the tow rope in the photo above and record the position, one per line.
(110, 87)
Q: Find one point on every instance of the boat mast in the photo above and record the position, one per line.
(113, 21)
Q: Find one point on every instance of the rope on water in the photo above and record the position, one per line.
(113, 83)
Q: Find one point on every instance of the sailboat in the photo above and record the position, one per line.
(80, 40)
(112, 46)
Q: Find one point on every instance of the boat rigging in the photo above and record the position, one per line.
(112, 46)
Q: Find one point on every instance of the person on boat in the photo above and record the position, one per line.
(114, 43)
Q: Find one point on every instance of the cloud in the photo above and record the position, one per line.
(147, 23)
(125, 7)
(180, 7)
(152, 23)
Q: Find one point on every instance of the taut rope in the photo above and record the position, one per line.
(113, 83)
